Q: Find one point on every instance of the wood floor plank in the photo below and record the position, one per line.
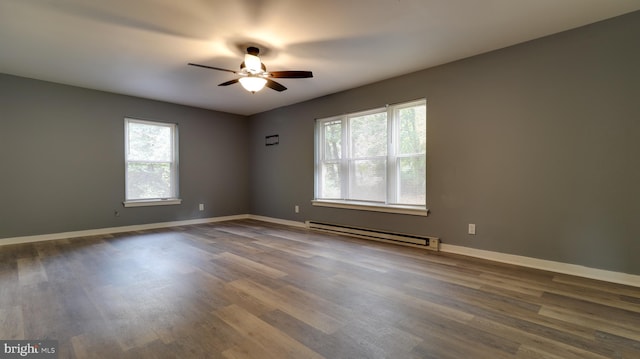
(602, 296)
(94, 346)
(432, 308)
(30, 271)
(612, 314)
(9, 284)
(250, 289)
(598, 285)
(258, 267)
(329, 346)
(280, 245)
(545, 337)
(551, 352)
(43, 315)
(122, 316)
(265, 336)
(298, 306)
(623, 347)
(442, 338)
(603, 324)
(11, 323)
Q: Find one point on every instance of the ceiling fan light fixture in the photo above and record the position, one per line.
(252, 63)
(252, 84)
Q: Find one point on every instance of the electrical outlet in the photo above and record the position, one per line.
(297, 208)
(201, 207)
(472, 228)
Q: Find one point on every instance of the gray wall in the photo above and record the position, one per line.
(536, 144)
(62, 159)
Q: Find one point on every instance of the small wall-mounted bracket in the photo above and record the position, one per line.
(271, 140)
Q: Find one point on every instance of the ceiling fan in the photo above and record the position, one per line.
(254, 76)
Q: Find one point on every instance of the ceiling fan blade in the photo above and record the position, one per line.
(212, 68)
(229, 82)
(275, 85)
(291, 74)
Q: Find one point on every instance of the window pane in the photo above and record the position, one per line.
(332, 140)
(413, 129)
(149, 142)
(149, 180)
(367, 180)
(369, 135)
(358, 161)
(330, 181)
(412, 179)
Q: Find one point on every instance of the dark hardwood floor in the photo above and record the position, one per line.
(248, 289)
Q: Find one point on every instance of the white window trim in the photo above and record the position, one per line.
(152, 202)
(175, 180)
(418, 210)
(369, 206)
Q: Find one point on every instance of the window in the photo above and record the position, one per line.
(374, 160)
(151, 160)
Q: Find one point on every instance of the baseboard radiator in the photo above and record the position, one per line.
(427, 242)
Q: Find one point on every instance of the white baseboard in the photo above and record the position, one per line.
(285, 222)
(110, 230)
(558, 267)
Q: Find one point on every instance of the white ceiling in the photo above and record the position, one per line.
(142, 47)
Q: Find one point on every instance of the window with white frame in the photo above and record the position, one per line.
(375, 158)
(151, 160)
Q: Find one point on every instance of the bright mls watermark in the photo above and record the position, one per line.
(28, 349)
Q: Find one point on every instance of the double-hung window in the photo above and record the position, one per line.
(151, 163)
(373, 160)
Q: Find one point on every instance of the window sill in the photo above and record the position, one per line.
(410, 210)
(152, 202)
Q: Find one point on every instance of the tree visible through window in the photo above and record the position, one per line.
(411, 155)
(151, 161)
(377, 156)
